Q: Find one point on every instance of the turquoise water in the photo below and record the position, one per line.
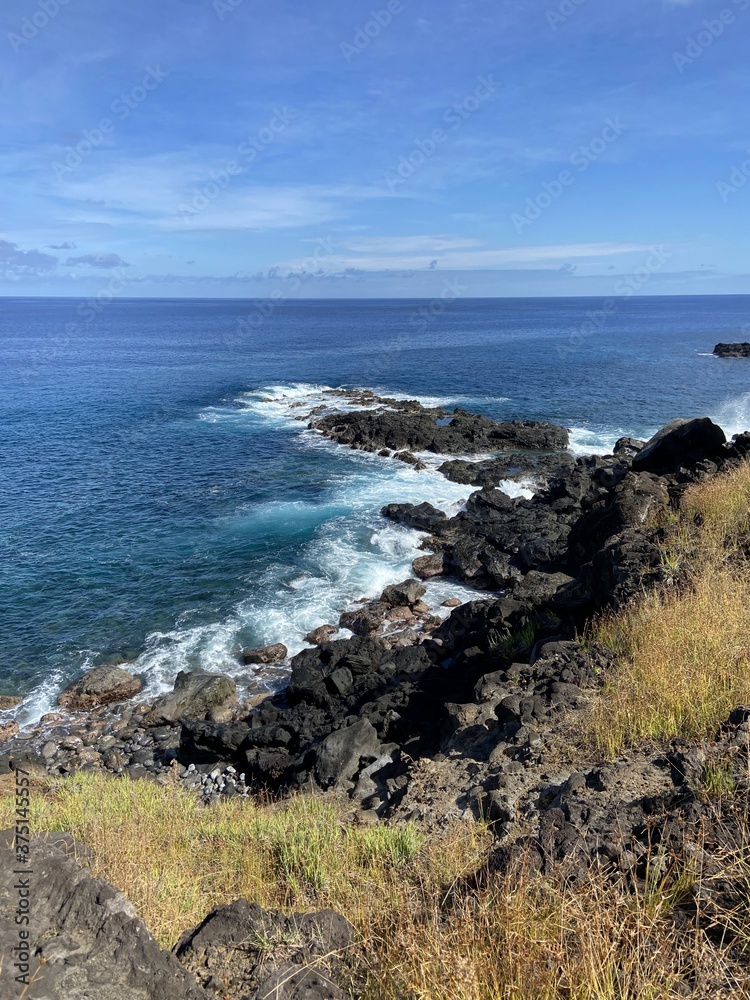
(154, 506)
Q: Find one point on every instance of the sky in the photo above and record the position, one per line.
(406, 148)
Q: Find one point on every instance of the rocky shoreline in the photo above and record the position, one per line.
(426, 718)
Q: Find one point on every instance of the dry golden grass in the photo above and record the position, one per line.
(426, 933)
(683, 653)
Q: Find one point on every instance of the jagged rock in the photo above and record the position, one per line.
(8, 730)
(209, 742)
(421, 517)
(85, 939)
(338, 756)
(681, 444)
(627, 448)
(430, 566)
(406, 593)
(197, 695)
(322, 634)
(264, 955)
(732, 350)
(100, 686)
(8, 701)
(276, 653)
(366, 620)
(411, 427)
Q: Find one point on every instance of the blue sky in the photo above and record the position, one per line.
(406, 148)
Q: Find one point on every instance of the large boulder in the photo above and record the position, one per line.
(681, 444)
(406, 593)
(264, 955)
(83, 937)
(197, 695)
(429, 566)
(100, 686)
(338, 756)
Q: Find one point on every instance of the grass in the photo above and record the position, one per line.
(683, 653)
(427, 930)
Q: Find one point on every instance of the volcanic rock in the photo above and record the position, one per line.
(100, 686)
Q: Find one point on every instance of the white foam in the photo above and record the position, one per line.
(733, 416)
(588, 441)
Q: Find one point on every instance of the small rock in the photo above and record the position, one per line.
(275, 653)
(9, 701)
(8, 730)
(322, 634)
(452, 602)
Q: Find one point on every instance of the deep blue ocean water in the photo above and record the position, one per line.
(154, 505)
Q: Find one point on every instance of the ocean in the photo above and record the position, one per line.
(161, 502)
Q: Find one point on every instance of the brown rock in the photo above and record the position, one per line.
(275, 653)
(403, 614)
(8, 730)
(427, 567)
(322, 634)
(452, 602)
(420, 608)
(99, 686)
(9, 701)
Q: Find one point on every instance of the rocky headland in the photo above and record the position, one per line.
(418, 716)
(732, 350)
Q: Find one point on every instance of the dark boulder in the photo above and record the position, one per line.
(85, 939)
(265, 955)
(100, 686)
(338, 756)
(681, 444)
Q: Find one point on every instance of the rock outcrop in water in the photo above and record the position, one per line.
(399, 426)
(732, 350)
